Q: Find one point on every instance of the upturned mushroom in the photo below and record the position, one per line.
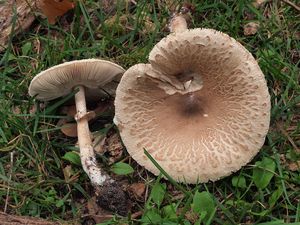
(201, 108)
(90, 77)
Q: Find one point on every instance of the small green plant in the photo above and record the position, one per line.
(121, 168)
(72, 157)
(204, 205)
(263, 172)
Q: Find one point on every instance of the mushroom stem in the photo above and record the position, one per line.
(178, 24)
(87, 155)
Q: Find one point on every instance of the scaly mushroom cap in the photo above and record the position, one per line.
(96, 75)
(201, 109)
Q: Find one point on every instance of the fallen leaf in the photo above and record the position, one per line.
(69, 129)
(69, 110)
(294, 166)
(103, 107)
(258, 3)
(108, 6)
(136, 214)
(251, 28)
(191, 216)
(98, 214)
(69, 174)
(98, 143)
(249, 15)
(114, 147)
(54, 8)
(137, 190)
(110, 144)
(148, 26)
(16, 110)
(295, 55)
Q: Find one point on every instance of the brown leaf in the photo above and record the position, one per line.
(250, 28)
(109, 6)
(249, 15)
(16, 110)
(69, 110)
(69, 129)
(294, 166)
(103, 107)
(96, 212)
(54, 8)
(258, 3)
(295, 55)
(148, 26)
(137, 191)
(114, 147)
(110, 144)
(98, 143)
(69, 174)
(190, 215)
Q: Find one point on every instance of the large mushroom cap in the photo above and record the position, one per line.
(201, 109)
(96, 75)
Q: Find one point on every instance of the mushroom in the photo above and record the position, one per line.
(201, 108)
(90, 77)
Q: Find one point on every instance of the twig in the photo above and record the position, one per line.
(9, 179)
(7, 219)
(292, 4)
(136, 214)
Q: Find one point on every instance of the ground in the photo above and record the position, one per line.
(39, 171)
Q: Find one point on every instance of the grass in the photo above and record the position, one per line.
(35, 179)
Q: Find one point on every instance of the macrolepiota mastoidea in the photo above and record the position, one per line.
(91, 78)
(201, 108)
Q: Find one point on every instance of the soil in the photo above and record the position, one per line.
(112, 197)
